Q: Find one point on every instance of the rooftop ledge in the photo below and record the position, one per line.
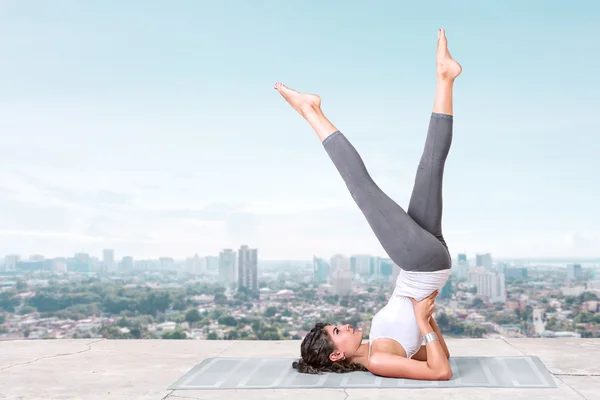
(144, 369)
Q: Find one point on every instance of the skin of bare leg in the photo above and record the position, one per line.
(447, 70)
(309, 106)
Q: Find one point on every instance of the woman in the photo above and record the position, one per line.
(404, 341)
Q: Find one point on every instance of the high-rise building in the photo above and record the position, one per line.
(248, 268)
(166, 263)
(10, 263)
(574, 272)
(461, 271)
(321, 271)
(446, 292)
(212, 264)
(489, 284)
(108, 260)
(484, 260)
(339, 261)
(127, 263)
(81, 262)
(361, 265)
(342, 282)
(385, 269)
(227, 264)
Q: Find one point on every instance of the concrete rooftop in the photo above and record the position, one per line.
(143, 369)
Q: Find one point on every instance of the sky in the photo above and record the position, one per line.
(152, 128)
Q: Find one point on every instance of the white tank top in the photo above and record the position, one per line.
(397, 320)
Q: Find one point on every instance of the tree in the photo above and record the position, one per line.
(177, 333)
(21, 285)
(271, 311)
(193, 315)
(220, 299)
(26, 310)
(477, 303)
(228, 320)
(442, 321)
(212, 336)
(8, 301)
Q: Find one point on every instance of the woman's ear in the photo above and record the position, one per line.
(337, 356)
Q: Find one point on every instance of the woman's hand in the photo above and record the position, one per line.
(424, 308)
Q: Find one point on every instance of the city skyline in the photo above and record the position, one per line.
(159, 133)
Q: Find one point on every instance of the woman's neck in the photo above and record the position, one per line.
(361, 356)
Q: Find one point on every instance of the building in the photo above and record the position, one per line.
(10, 263)
(361, 265)
(574, 272)
(342, 282)
(321, 270)
(385, 269)
(248, 268)
(484, 260)
(461, 270)
(127, 263)
(227, 265)
(108, 260)
(447, 291)
(489, 284)
(339, 261)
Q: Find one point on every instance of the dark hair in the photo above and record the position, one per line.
(315, 350)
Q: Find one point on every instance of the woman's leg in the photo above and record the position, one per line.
(425, 205)
(407, 244)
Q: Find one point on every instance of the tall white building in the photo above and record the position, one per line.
(108, 260)
(248, 268)
(489, 284)
(361, 264)
(195, 266)
(339, 261)
(342, 282)
(484, 260)
(574, 272)
(227, 265)
(127, 263)
(10, 263)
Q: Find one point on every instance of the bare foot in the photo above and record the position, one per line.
(447, 67)
(301, 102)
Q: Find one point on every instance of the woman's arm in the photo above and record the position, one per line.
(436, 329)
(421, 355)
(436, 366)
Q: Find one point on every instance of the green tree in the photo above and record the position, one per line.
(176, 333)
(21, 285)
(220, 299)
(271, 311)
(26, 310)
(212, 336)
(477, 303)
(193, 315)
(228, 320)
(8, 301)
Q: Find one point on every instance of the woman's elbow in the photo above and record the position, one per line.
(445, 374)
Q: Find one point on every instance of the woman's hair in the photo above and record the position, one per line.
(315, 350)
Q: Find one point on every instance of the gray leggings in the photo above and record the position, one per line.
(413, 239)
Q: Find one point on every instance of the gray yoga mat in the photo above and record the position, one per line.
(277, 373)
